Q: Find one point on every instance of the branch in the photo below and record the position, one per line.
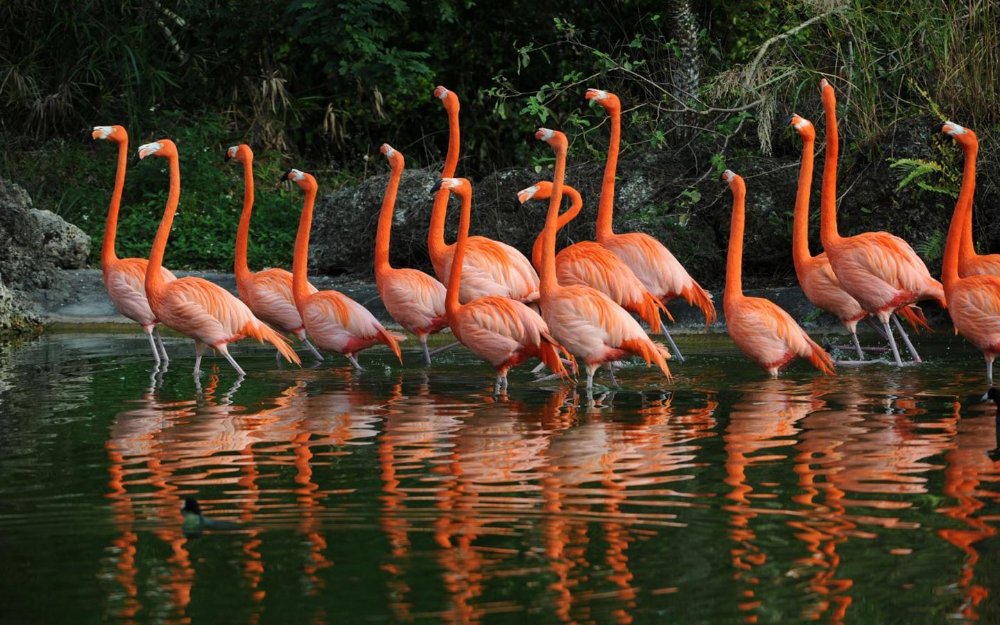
(752, 68)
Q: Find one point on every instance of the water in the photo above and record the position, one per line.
(405, 495)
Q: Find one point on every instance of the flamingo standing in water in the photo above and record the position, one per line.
(334, 321)
(969, 262)
(124, 277)
(267, 293)
(586, 321)
(413, 298)
(973, 301)
(491, 267)
(815, 274)
(762, 330)
(502, 331)
(879, 270)
(649, 259)
(195, 307)
(587, 263)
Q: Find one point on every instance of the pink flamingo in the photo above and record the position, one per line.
(587, 263)
(586, 321)
(267, 293)
(969, 262)
(879, 270)
(334, 321)
(124, 277)
(413, 298)
(491, 267)
(502, 331)
(762, 330)
(193, 306)
(973, 301)
(649, 259)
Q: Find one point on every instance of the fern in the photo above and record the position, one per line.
(932, 248)
(917, 170)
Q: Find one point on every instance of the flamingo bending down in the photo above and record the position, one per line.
(502, 331)
(267, 293)
(879, 270)
(973, 301)
(491, 267)
(586, 321)
(413, 298)
(587, 263)
(124, 277)
(815, 274)
(206, 312)
(649, 259)
(762, 330)
(334, 321)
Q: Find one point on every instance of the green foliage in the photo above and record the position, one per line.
(932, 248)
(921, 171)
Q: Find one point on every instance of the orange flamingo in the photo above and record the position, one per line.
(815, 274)
(491, 267)
(195, 307)
(974, 301)
(879, 270)
(267, 293)
(587, 263)
(762, 330)
(124, 277)
(969, 262)
(413, 298)
(335, 322)
(588, 322)
(649, 259)
(503, 332)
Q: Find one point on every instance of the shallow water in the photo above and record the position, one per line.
(412, 495)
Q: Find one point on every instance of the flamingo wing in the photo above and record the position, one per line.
(125, 283)
(497, 328)
(974, 305)
(823, 289)
(769, 335)
(205, 311)
(414, 299)
(272, 299)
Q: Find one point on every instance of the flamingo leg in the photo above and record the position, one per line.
(225, 352)
(159, 341)
(892, 343)
(877, 328)
(989, 378)
(673, 346)
(611, 373)
(199, 349)
(857, 346)
(354, 361)
(539, 367)
(435, 352)
(427, 354)
(906, 339)
(590, 378)
(152, 344)
(312, 348)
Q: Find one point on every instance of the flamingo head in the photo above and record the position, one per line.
(553, 137)
(394, 156)
(241, 153)
(541, 190)
(301, 178)
(460, 186)
(110, 133)
(447, 97)
(729, 176)
(605, 98)
(164, 148)
(803, 126)
(826, 91)
(960, 134)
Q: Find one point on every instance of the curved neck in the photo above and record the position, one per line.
(382, 265)
(300, 263)
(734, 260)
(451, 303)
(243, 231)
(955, 249)
(549, 282)
(154, 277)
(606, 205)
(800, 224)
(576, 203)
(435, 234)
(828, 193)
(111, 225)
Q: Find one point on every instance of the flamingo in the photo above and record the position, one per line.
(879, 270)
(973, 301)
(124, 277)
(969, 262)
(762, 330)
(195, 307)
(334, 321)
(502, 331)
(815, 274)
(267, 293)
(491, 267)
(413, 298)
(649, 259)
(586, 321)
(587, 263)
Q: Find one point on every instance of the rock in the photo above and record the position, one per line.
(14, 320)
(35, 243)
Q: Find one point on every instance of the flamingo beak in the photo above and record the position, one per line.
(437, 186)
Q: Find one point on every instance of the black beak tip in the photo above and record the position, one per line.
(136, 159)
(226, 158)
(937, 128)
(437, 186)
(788, 120)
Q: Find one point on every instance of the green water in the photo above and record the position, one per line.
(408, 495)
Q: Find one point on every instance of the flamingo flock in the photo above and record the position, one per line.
(568, 308)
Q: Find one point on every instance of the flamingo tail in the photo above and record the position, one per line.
(820, 359)
(915, 317)
(697, 296)
(549, 352)
(650, 352)
(648, 309)
(392, 340)
(263, 332)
